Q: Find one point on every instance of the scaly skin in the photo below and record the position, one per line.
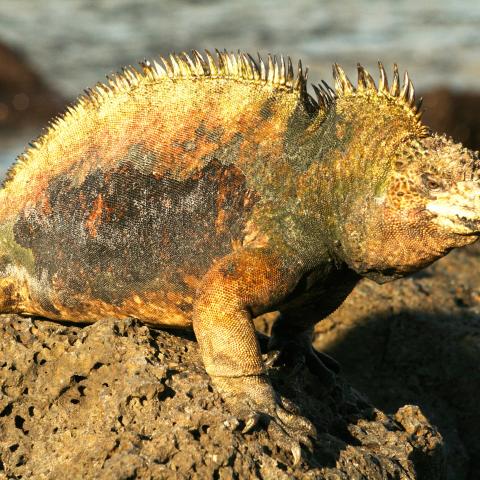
(212, 191)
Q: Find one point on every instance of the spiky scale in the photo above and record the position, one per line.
(212, 66)
(282, 74)
(368, 79)
(192, 69)
(175, 66)
(405, 89)
(290, 74)
(270, 70)
(319, 94)
(361, 82)
(411, 94)
(329, 89)
(251, 67)
(233, 62)
(305, 75)
(168, 67)
(299, 83)
(199, 63)
(255, 68)
(159, 70)
(395, 88)
(276, 71)
(342, 82)
(263, 70)
(418, 106)
(382, 82)
(230, 64)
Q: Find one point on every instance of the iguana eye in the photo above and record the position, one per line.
(430, 182)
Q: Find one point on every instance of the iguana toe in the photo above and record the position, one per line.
(327, 360)
(291, 434)
(271, 358)
(252, 421)
(288, 405)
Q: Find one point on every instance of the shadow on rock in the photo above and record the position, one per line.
(412, 357)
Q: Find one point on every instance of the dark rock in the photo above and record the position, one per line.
(417, 341)
(25, 98)
(455, 113)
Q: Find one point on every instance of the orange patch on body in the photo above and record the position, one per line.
(192, 281)
(95, 216)
(220, 221)
(254, 237)
(45, 206)
(153, 308)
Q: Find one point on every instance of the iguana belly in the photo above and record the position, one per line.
(125, 242)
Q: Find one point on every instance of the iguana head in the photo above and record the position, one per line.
(438, 179)
(406, 196)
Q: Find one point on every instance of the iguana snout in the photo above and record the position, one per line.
(452, 180)
(458, 209)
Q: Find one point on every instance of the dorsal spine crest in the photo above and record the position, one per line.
(278, 73)
(402, 96)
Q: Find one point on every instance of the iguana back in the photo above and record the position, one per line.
(126, 201)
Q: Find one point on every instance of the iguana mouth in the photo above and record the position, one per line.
(458, 210)
(455, 217)
(473, 226)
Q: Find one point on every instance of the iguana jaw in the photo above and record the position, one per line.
(458, 210)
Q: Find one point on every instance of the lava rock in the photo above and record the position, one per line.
(118, 400)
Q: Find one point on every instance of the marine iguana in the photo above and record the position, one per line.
(206, 191)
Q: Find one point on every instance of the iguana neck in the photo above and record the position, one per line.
(350, 154)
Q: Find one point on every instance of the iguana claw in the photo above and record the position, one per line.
(320, 364)
(250, 422)
(253, 399)
(297, 454)
(270, 358)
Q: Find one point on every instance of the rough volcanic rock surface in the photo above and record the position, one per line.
(117, 400)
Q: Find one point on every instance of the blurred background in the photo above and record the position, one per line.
(51, 50)
(413, 341)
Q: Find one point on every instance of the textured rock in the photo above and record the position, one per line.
(117, 400)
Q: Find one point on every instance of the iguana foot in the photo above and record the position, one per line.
(296, 353)
(253, 400)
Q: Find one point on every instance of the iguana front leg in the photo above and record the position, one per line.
(237, 284)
